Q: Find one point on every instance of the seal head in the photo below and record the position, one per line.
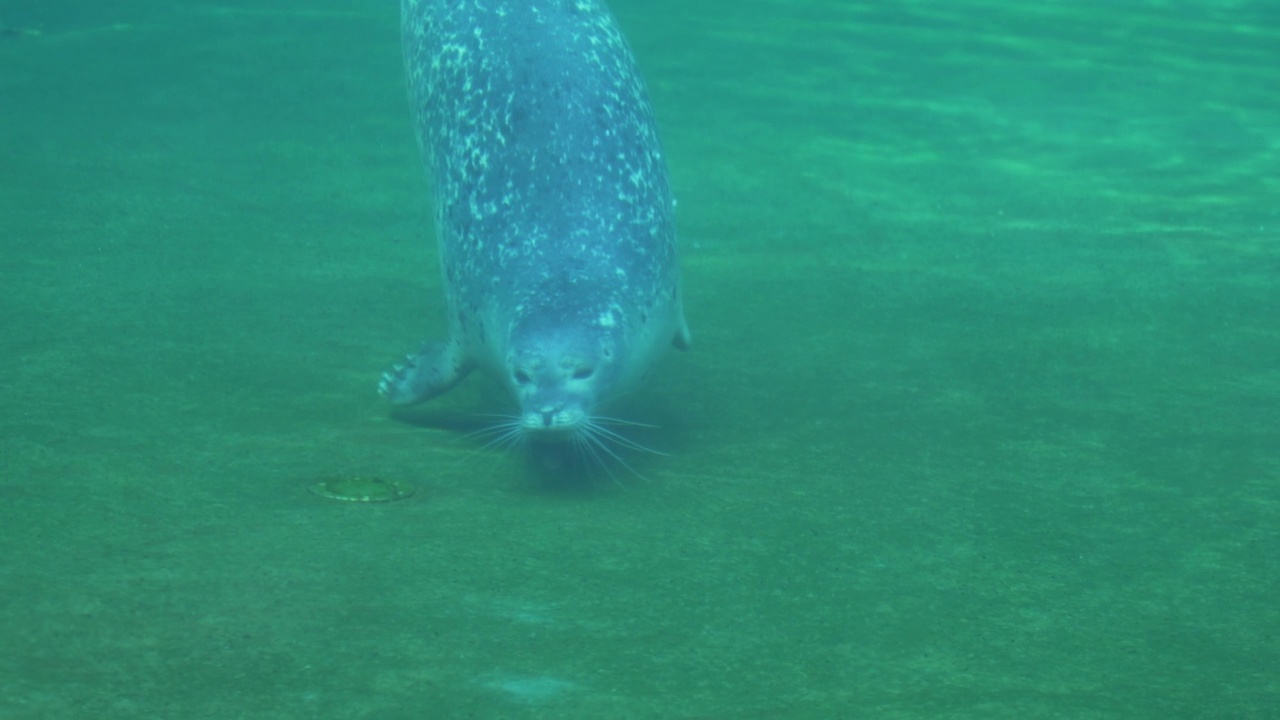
(557, 373)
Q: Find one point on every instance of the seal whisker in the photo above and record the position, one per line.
(511, 437)
(585, 442)
(604, 432)
(605, 419)
(486, 430)
(597, 442)
(502, 427)
(504, 438)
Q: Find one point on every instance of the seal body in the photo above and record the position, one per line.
(553, 209)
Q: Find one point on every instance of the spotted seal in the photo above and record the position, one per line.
(553, 209)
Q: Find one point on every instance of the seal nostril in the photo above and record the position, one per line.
(583, 373)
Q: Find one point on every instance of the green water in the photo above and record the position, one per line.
(982, 418)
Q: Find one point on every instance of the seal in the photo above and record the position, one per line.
(553, 209)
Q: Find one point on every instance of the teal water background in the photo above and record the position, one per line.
(982, 418)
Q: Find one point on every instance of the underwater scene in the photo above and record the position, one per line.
(980, 416)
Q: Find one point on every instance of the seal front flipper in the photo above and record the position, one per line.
(682, 339)
(436, 367)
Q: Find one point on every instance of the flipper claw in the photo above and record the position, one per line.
(436, 368)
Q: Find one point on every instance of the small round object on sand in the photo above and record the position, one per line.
(359, 488)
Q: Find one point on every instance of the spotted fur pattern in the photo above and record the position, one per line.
(552, 204)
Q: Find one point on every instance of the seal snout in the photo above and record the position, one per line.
(555, 396)
(553, 422)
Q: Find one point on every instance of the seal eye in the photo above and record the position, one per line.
(583, 373)
(522, 378)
